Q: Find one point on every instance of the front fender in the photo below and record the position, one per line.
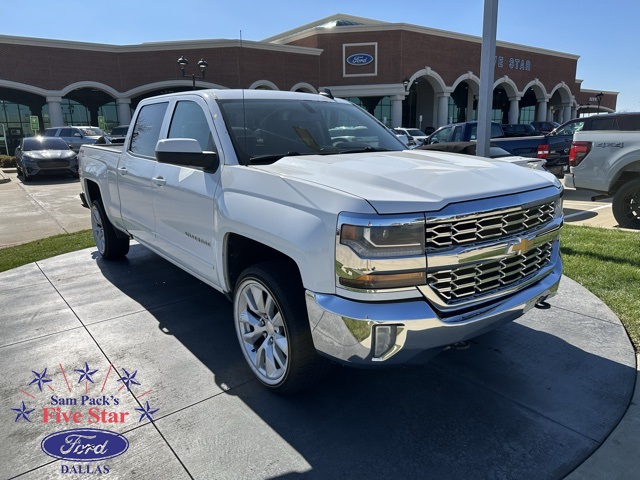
(295, 218)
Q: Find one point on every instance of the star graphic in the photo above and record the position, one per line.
(23, 412)
(86, 373)
(129, 378)
(146, 412)
(40, 378)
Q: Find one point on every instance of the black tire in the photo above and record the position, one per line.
(276, 289)
(110, 246)
(626, 205)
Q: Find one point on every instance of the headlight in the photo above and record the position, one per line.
(27, 159)
(557, 207)
(380, 253)
(384, 241)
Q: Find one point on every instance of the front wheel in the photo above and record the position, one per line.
(272, 325)
(110, 246)
(626, 205)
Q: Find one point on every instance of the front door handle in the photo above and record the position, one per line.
(159, 181)
(122, 170)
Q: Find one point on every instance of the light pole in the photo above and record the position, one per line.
(599, 99)
(202, 65)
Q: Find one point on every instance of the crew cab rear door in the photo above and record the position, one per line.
(135, 170)
(183, 196)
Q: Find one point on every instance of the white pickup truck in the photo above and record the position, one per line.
(608, 162)
(331, 239)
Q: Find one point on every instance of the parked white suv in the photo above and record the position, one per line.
(75, 136)
(418, 136)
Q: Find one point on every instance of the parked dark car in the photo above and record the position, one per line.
(468, 131)
(45, 156)
(544, 127)
(518, 130)
(469, 148)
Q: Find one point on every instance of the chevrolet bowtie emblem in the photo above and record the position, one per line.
(523, 246)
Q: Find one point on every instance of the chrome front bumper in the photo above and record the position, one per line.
(343, 329)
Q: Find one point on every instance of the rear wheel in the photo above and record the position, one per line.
(626, 205)
(272, 325)
(110, 246)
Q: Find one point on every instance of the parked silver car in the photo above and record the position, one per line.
(75, 136)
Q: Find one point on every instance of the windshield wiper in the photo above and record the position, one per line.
(266, 159)
(365, 149)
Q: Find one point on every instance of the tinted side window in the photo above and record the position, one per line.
(457, 134)
(570, 128)
(602, 124)
(66, 132)
(146, 130)
(442, 135)
(496, 131)
(50, 132)
(189, 121)
(629, 122)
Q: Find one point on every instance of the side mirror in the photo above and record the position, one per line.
(186, 152)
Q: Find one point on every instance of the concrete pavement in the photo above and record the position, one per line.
(40, 208)
(533, 399)
(540, 398)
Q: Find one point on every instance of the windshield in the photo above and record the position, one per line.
(42, 143)
(266, 130)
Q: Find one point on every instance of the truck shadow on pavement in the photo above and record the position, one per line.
(530, 400)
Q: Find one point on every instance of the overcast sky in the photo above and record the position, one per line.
(601, 33)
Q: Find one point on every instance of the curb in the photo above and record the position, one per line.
(3, 177)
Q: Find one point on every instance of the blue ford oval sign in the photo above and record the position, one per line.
(84, 444)
(359, 59)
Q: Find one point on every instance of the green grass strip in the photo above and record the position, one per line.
(607, 263)
(12, 257)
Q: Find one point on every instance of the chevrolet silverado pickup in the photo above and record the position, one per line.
(608, 162)
(332, 241)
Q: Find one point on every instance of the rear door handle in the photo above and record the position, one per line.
(122, 170)
(159, 181)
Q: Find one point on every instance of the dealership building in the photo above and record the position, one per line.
(406, 75)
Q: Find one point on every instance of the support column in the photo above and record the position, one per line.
(55, 111)
(124, 111)
(542, 111)
(469, 116)
(550, 113)
(574, 112)
(566, 113)
(443, 109)
(514, 109)
(396, 110)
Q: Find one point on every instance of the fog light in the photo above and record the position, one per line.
(384, 339)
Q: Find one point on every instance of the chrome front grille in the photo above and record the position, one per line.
(477, 228)
(465, 282)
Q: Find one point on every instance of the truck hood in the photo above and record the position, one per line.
(411, 181)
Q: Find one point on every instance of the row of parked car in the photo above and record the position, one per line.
(553, 146)
(55, 152)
